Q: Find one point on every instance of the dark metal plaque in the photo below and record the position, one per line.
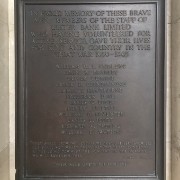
(90, 90)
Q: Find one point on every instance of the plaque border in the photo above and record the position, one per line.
(21, 84)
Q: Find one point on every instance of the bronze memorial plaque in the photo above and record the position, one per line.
(90, 90)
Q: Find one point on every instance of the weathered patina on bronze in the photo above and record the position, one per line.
(90, 90)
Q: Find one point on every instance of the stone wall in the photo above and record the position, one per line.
(4, 91)
(11, 90)
(175, 59)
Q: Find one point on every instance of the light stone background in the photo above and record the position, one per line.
(4, 90)
(7, 90)
(175, 27)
